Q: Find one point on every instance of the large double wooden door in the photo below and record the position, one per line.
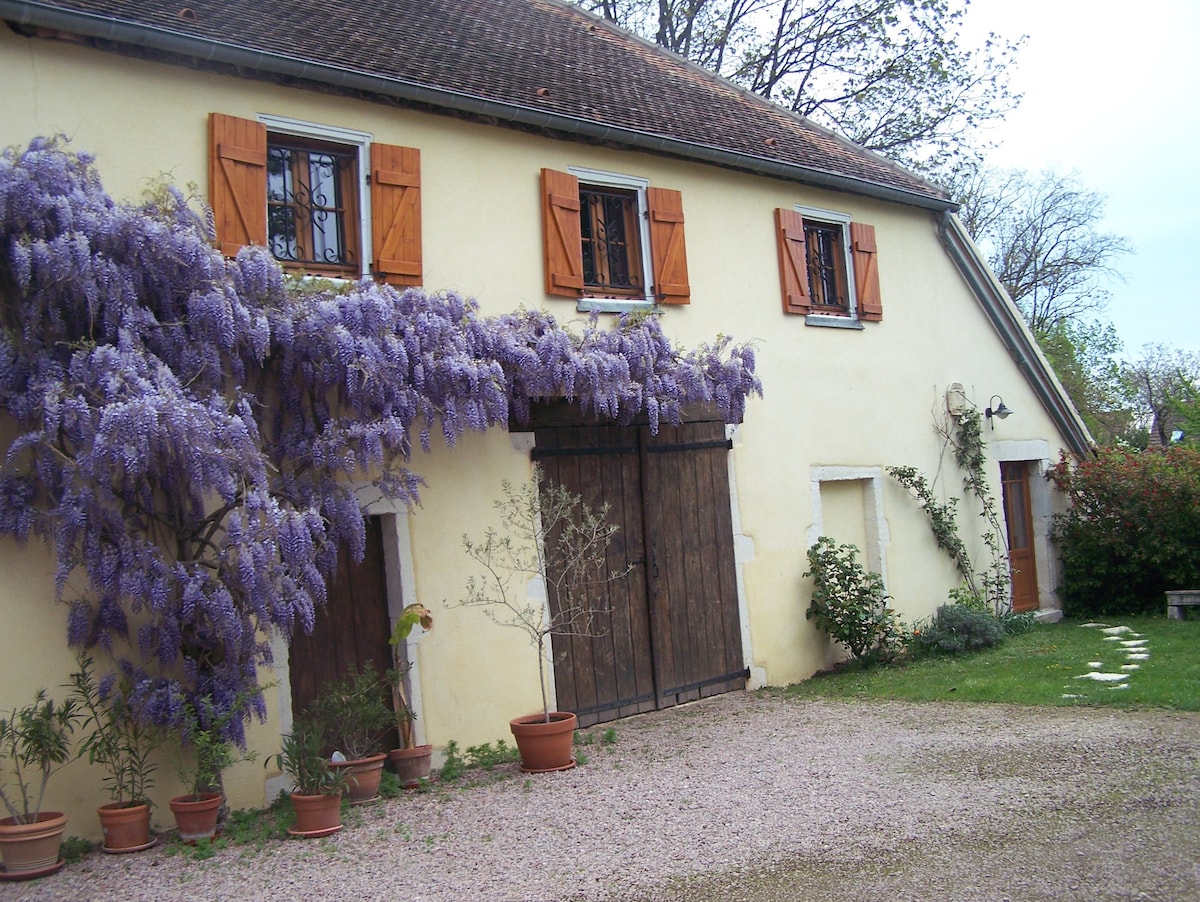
(672, 631)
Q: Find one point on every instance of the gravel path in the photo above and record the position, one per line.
(749, 797)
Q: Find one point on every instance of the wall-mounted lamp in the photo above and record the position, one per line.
(998, 411)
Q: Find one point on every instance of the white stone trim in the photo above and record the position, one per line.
(1030, 449)
(878, 535)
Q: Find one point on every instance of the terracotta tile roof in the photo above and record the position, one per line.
(530, 62)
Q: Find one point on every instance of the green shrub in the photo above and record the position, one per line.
(957, 628)
(849, 603)
(1132, 531)
(1016, 623)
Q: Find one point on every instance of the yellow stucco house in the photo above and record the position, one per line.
(523, 152)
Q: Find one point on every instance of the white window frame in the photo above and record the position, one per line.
(361, 142)
(850, 319)
(630, 183)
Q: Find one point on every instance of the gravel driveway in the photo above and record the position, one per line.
(749, 797)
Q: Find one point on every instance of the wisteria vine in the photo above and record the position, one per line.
(189, 427)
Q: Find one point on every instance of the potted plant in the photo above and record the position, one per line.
(547, 535)
(410, 761)
(203, 732)
(35, 742)
(316, 787)
(352, 715)
(121, 742)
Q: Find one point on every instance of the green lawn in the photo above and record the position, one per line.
(1043, 667)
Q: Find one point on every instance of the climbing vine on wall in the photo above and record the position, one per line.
(963, 434)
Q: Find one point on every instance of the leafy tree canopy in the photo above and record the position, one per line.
(1043, 240)
(891, 75)
(189, 428)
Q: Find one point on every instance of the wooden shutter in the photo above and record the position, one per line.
(562, 237)
(866, 271)
(237, 181)
(793, 261)
(668, 252)
(396, 213)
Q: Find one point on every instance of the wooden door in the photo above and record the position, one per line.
(1018, 518)
(352, 629)
(673, 632)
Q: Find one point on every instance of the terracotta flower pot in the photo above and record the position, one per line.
(362, 777)
(316, 815)
(31, 850)
(545, 746)
(196, 816)
(412, 765)
(126, 827)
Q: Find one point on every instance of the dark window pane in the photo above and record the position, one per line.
(612, 259)
(308, 206)
(826, 265)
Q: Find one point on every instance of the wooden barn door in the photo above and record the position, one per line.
(673, 632)
(351, 630)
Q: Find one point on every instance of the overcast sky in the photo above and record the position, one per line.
(1113, 91)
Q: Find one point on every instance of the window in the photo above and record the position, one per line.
(826, 258)
(298, 189)
(612, 247)
(607, 237)
(827, 267)
(312, 210)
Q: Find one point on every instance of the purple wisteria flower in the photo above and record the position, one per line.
(188, 426)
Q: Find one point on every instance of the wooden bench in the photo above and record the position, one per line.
(1180, 599)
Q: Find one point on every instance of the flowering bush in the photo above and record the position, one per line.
(957, 628)
(188, 425)
(1132, 531)
(849, 603)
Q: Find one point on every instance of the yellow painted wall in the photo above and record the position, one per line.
(833, 397)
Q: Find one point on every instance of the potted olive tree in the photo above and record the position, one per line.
(35, 742)
(119, 740)
(316, 787)
(352, 715)
(547, 536)
(410, 761)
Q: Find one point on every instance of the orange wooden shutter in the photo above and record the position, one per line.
(396, 213)
(793, 261)
(668, 252)
(562, 239)
(237, 181)
(866, 271)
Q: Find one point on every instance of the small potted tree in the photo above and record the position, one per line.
(120, 741)
(35, 742)
(203, 735)
(352, 715)
(316, 787)
(410, 761)
(547, 536)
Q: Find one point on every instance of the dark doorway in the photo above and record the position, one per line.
(351, 630)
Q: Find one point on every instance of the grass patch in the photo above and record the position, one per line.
(1041, 667)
